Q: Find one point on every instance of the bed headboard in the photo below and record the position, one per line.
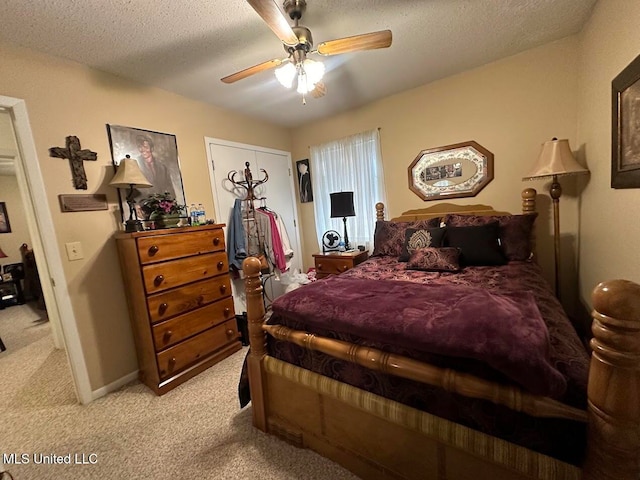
(441, 209)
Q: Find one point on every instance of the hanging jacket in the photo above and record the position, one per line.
(236, 246)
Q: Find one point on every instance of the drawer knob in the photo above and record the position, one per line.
(172, 363)
(230, 333)
(226, 311)
(163, 308)
(153, 249)
(344, 268)
(200, 299)
(158, 280)
(167, 335)
(223, 288)
(220, 265)
(319, 266)
(216, 241)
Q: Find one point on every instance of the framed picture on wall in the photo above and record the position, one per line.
(304, 181)
(625, 128)
(5, 226)
(157, 156)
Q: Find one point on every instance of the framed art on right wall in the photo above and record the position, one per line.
(625, 127)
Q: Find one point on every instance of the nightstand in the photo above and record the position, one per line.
(334, 263)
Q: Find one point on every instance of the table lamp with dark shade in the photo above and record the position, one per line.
(555, 160)
(342, 206)
(130, 176)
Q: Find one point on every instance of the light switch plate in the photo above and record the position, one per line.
(74, 251)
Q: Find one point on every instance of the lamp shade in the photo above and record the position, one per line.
(555, 159)
(2, 254)
(342, 205)
(129, 174)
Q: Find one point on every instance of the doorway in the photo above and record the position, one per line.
(46, 254)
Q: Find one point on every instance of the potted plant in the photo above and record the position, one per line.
(163, 209)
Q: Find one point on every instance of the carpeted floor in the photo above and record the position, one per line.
(196, 431)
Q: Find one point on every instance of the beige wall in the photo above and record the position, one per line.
(510, 107)
(64, 98)
(609, 226)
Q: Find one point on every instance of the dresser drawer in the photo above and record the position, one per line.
(333, 265)
(165, 305)
(177, 329)
(165, 275)
(167, 247)
(180, 356)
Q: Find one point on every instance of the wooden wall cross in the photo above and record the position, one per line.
(76, 157)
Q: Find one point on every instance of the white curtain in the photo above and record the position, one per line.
(351, 164)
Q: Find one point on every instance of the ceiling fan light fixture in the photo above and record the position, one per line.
(286, 74)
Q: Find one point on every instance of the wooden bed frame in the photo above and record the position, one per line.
(377, 438)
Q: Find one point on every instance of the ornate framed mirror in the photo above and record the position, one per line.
(452, 171)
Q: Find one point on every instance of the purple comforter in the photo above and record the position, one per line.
(502, 330)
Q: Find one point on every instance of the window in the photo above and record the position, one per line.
(351, 164)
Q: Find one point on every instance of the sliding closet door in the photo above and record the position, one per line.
(278, 190)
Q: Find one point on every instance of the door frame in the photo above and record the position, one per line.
(48, 258)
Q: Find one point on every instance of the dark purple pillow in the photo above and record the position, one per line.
(388, 238)
(415, 238)
(515, 231)
(431, 259)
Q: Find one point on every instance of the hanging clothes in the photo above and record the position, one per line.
(273, 240)
(236, 245)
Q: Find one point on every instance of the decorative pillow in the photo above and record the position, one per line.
(515, 231)
(389, 236)
(478, 245)
(431, 259)
(415, 238)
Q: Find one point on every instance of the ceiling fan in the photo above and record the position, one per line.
(298, 44)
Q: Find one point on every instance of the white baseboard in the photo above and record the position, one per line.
(113, 386)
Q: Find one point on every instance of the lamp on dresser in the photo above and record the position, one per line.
(130, 176)
(556, 160)
(342, 206)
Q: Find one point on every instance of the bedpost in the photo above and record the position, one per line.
(529, 200)
(257, 339)
(380, 211)
(613, 448)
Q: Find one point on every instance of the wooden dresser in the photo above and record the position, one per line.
(180, 303)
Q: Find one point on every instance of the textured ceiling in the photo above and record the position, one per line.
(186, 46)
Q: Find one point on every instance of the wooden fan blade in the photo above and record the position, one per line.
(367, 41)
(320, 90)
(275, 20)
(247, 72)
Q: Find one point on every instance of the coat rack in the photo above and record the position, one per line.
(249, 184)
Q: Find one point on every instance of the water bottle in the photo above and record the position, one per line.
(193, 214)
(202, 217)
